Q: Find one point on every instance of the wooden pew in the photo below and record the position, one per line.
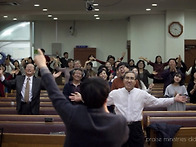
(9, 99)
(165, 114)
(43, 110)
(189, 106)
(32, 140)
(184, 121)
(35, 127)
(13, 104)
(185, 137)
(41, 118)
(157, 90)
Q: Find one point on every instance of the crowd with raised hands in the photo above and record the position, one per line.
(162, 72)
(126, 85)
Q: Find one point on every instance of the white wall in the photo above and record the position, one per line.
(147, 35)
(190, 25)
(109, 37)
(174, 45)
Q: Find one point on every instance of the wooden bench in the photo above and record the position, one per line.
(184, 121)
(185, 137)
(32, 140)
(35, 127)
(189, 106)
(165, 114)
(10, 99)
(43, 110)
(13, 104)
(41, 118)
(157, 90)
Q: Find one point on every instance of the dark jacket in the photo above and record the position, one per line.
(86, 127)
(17, 84)
(164, 133)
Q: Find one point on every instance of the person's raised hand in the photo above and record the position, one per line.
(40, 59)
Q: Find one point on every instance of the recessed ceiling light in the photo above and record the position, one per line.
(14, 18)
(55, 18)
(96, 15)
(97, 18)
(36, 5)
(148, 9)
(45, 9)
(5, 16)
(95, 4)
(154, 5)
(96, 9)
(50, 15)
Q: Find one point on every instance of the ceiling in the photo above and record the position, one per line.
(24, 10)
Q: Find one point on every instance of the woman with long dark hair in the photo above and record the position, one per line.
(176, 87)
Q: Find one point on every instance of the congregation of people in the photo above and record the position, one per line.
(127, 92)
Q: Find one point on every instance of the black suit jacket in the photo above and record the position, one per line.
(86, 127)
(17, 84)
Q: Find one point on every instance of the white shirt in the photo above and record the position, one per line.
(30, 90)
(131, 104)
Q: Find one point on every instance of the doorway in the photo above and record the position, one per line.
(190, 55)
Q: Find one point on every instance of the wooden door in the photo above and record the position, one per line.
(190, 55)
(83, 53)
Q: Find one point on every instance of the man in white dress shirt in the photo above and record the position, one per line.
(130, 102)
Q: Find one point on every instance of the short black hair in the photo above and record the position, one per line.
(123, 63)
(110, 56)
(94, 92)
(172, 59)
(70, 59)
(65, 53)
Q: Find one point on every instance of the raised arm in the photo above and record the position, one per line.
(145, 59)
(61, 104)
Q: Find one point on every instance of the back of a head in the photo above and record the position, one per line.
(94, 92)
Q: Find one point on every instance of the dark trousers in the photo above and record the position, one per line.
(136, 136)
(25, 109)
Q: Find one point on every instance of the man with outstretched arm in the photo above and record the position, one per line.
(88, 124)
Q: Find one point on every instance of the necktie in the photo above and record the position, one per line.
(26, 95)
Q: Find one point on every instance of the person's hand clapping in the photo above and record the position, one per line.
(180, 98)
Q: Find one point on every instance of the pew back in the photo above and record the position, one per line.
(31, 118)
(184, 121)
(165, 114)
(32, 140)
(43, 110)
(29, 127)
